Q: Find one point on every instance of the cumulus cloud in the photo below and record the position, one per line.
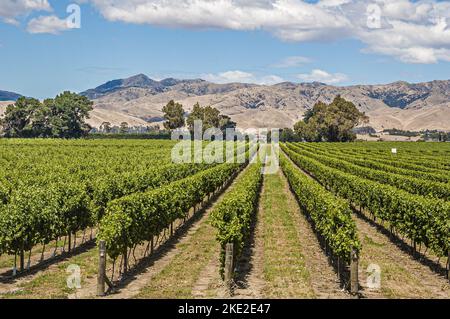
(412, 31)
(323, 77)
(241, 77)
(11, 9)
(47, 24)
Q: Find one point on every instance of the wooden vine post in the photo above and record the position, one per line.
(101, 269)
(102, 279)
(354, 283)
(448, 265)
(228, 275)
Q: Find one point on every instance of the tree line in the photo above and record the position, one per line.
(65, 117)
(176, 118)
(61, 117)
(332, 122)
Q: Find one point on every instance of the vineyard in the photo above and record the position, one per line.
(337, 220)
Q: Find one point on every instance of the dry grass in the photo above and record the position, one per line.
(401, 275)
(285, 271)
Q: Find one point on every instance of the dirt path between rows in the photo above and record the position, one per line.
(250, 269)
(283, 258)
(38, 266)
(209, 283)
(323, 278)
(138, 285)
(401, 275)
(158, 262)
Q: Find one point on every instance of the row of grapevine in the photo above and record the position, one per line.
(233, 215)
(393, 166)
(135, 219)
(407, 183)
(433, 161)
(330, 215)
(421, 219)
(409, 149)
(437, 164)
(51, 189)
(38, 214)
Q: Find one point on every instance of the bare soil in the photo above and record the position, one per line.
(402, 276)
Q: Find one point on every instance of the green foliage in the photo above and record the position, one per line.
(382, 175)
(35, 214)
(136, 218)
(225, 122)
(174, 115)
(422, 219)
(397, 132)
(411, 156)
(18, 118)
(106, 127)
(383, 164)
(163, 135)
(288, 135)
(123, 128)
(233, 215)
(61, 117)
(210, 117)
(52, 188)
(332, 123)
(107, 189)
(331, 215)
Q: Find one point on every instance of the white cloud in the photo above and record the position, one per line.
(270, 80)
(413, 32)
(11, 9)
(292, 62)
(47, 24)
(323, 76)
(241, 77)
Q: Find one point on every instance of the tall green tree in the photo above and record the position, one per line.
(124, 128)
(106, 127)
(288, 135)
(69, 112)
(174, 115)
(18, 117)
(210, 117)
(64, 116)
(226, 122)
(330, 122)
(197, 114)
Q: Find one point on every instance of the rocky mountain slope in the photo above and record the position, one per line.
(138, 100)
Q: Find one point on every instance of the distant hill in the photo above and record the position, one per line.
(9, 96)
(138, 100)
(152, 87)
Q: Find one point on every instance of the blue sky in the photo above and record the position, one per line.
(109, 46)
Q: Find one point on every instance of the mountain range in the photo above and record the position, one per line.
(138, 100)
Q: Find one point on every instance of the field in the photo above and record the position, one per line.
(332, 214)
